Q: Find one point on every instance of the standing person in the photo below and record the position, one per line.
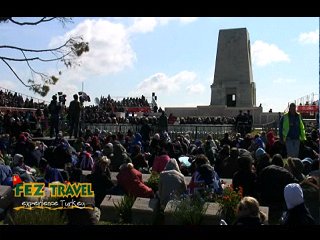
(54, 110)
(291, 131)
(163, 123)
(74, 116)
(250, 122)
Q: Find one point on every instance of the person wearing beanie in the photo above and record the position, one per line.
(307, 162)
(259, 153)
(156, 136)
(297, 213)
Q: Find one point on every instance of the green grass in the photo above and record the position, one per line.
(37, 217)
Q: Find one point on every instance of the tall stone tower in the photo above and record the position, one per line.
(233, 85)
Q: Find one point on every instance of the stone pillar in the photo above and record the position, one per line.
(233, 84)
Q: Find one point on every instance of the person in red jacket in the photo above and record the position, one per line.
(130, 180)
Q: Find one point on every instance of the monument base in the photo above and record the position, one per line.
(259, 117)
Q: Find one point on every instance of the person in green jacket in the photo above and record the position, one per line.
(291, 131)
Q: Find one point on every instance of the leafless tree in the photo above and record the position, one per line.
(67, 53)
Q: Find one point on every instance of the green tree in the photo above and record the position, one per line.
(67, 53)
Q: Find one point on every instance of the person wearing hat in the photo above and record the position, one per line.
(291, 131)
(297, 213)
(263, 160)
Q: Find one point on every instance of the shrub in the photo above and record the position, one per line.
(189, 209)
(124, 208)
(228, 203)
(153, 181)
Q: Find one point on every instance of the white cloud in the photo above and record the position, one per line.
(283, 80)
(160, 82)
(187, 19)
(309, 37)
(109, 43)
(148, 24)
(143, 24)
(10, 85)
(196, 88)
(264, 53)
(110, 49)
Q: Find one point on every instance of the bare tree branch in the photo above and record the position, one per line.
(63, 20)
(39, 50)
(15, 73)
(35, 58)
(31, 68)
(67, 53)
(44, 19)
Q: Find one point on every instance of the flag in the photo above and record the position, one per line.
(16, 180)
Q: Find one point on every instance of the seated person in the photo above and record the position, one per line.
(25, 172)
(130, 180)
(249, 214)
(101, 180)
(205, 177)
(50, 174)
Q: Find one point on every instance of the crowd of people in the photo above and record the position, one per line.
(111, 105)
(13, 99)
(278, 171)
(261, 165)
(205, 120)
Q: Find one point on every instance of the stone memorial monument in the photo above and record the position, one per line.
(233, 84)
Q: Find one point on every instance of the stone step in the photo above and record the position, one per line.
(6, 196)
(108, 209)
(169, 219)
(83, 177)
(145, 177)
(211, 216)
(265, 210)
(145, 210)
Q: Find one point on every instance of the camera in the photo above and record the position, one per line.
(84, 97)
(62, 97)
